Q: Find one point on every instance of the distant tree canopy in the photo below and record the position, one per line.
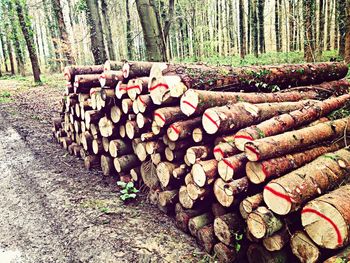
(54, 33)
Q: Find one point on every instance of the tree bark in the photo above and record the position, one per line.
(242, 37)
(261, 7)
(342, 26)
(107, 31)
(304, 248)
(309, 30)
(227, 227)
(96, 32)
(152, 31)
(226, 192)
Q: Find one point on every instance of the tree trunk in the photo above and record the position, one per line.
(96, 32)
(152, 31)
(309, 30)
(242, 37)
(28, 36)
(326, 219)
(347, 34)
(261, 7)
(66, 45)
(288, 142)
(342, 26)
(287, 193)
(321, 27)
(129, 40)
(107, 30)
(255, 26)
(277, 26)
(289, 121)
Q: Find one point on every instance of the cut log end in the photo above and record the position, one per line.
(277, 198)
(252, 152)
(189, 102)
(199, 175)
(197, 135)
(304, 248)
(256, 172)
(222, 195)
(241, 138)
(211, 121)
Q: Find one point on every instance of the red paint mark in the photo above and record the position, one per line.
(246, 137)
(211, 119)
(158, 86)
(313, 211)
(159, 116)
(134, 87)
(218, 150)
(190, 104)
(276, 193)
(142, 101)
(228, 164)
(175, 129)
(253, 150)
(93, 92)
(263, 167)
(122, 88)
(102, 76)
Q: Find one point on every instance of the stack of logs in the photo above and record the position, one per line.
(251, 161)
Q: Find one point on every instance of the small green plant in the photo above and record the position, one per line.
(238, 238)
(128, 190)
(5, 96)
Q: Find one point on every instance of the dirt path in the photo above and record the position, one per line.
(52, 210)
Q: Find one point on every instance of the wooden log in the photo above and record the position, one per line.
(167, 115)
(277, 241)
(183, 217)
(195, 102)
(137, 86)
(105, 144)
(174, 156)
(136, 174)
(225, 150)
(85, 82)
(227, 227)
(287, 193)
(76, 150)
(149, 175)
(263, 223)
(92, 116)
(157, 158)
(122, 131)
(206, 237)
(121, 90)
(71, 148)
(218, 210)
(106, 98)
(259, 172)
(168, 198)
(289, 121)
(94, 93)
(144, 102)
(232, 167)
(107, 127)
(197, 135)
(71, 71)
(132, 130)
(143, 121)
(127, 106)
(113, 65)
(233, 117)
(304, 248)
(326, 219)
(197, 193)
(197, 222)
(155, 128)
(183, 129)
(94, 130)
(140, 151)
(180, 172)
(226, 192)
(92, 161)
(149, 136)
(342, 256)
(165, 173)
(110, 78)
(135, 69)
(175, 146)
(204, 172)
(287, 142)
(249, 204)
(135, 107)
(125, 163)
(196, 153)
(224, 253)
(86, 141)
(119, 147)
(184, 198)
(107, 165)
(97, 146)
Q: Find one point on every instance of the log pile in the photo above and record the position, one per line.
(250, 173)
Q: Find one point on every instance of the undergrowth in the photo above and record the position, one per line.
(5, 97)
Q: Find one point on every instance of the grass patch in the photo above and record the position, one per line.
(5, 97)
(269, 58)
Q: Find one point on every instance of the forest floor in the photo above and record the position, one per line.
(53, 210)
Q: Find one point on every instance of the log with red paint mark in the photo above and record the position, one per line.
(226, 192)
(71, 71)
(183, 129)
(289, 121)
(326, 219)
(165, 116)
(137, 86)
(232, 167)
(110, 78)
(292, 141)
(289, 192)
(259, 172)
(233, 117)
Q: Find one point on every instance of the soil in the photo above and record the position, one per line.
(53, 210)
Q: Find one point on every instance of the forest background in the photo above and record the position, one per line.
(46, 35)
